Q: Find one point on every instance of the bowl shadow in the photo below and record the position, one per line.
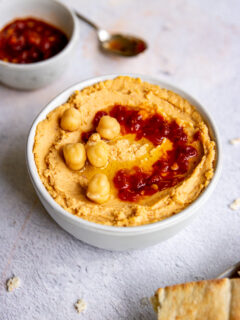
(14, 174)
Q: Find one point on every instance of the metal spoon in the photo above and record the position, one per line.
(232, 272)
(119, 44)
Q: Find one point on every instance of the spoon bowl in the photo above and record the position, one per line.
(123, 45)
(119, 44)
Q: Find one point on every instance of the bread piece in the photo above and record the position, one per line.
(202, 300)
(235, 301)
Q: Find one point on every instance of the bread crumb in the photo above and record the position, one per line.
(13, 283)
(144, 301)
(235, 205)
(80, 305)
(235, 141)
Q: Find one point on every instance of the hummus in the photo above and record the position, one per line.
(68, 187)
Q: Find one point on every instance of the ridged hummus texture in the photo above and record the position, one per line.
(68, 187)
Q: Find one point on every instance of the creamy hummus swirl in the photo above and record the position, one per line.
(68, 188)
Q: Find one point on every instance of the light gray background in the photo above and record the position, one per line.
(193, 44)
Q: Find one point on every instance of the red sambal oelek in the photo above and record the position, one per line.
(167, 171)
(30, 40)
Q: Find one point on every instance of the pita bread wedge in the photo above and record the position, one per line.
(235, 301)
(203, 300)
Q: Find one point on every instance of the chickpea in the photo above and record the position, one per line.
(74, 155)
(97, 153)
(71, 119)
(108, 127)
(98, 188)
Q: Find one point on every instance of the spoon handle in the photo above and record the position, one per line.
(81, 17)
(232, 272)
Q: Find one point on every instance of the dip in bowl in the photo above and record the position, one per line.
(36, 65)
(161, 165)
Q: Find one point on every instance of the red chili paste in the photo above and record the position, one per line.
(30, 40)
(167, 171)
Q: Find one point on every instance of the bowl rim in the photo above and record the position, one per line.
(65, 50)
(162, 224)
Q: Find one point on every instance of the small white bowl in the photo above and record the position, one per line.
(36, 75)
(109, 237)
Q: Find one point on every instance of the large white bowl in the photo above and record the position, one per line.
(118, 238)
(38, 74)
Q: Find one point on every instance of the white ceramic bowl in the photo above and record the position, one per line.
(118, 238)
(39, 74)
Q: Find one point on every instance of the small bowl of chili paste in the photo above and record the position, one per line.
(30, 40)
(37, 39)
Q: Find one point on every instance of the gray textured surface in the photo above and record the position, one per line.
(193, 44)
